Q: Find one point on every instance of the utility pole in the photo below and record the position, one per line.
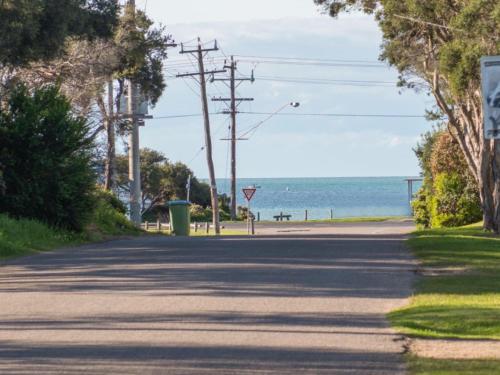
(233, 112)
(200, 53)
(134, 151)
(110, 177)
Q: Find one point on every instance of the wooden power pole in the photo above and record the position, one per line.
(233, 110)
(199, 54)
(134, 151)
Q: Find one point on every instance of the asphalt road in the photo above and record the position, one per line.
(282, 304)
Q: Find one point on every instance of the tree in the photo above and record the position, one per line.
(440, 43)
(162, 181)
(85, 70)
(46, 153)
(449, 195)
(35, 30)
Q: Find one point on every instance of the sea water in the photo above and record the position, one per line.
(347, 197)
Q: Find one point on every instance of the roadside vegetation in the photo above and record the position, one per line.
(457, 296)
(427, 366)
(19, 237)
(462, 300)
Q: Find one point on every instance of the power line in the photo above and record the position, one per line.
(321, 81)
(310, 59)
(336, 115)
(297, 115)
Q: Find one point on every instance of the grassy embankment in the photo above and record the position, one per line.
(462, 302)
(24, 237)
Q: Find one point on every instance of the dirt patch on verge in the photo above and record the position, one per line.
(442, 271)
(455, 349)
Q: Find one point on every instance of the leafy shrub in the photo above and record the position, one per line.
(110, 198)
(109, 216)
(453, 203)
(46, 154)
(449, 195)
(421, 208)
(198, 213)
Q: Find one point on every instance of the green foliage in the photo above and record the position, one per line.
(453, 203)
(109, 216)
(21, 237)
(162, 181)
(142, 51)
(37, 29)
(449, 195)
(461, 304)
(46, 156)
(111, 200)
(421, 207)
(431, 366)
(200, 214)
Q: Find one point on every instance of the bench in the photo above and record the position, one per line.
(280, 217)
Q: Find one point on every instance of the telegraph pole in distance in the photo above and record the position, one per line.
(199, 54)
(134, 151)
(233, 112)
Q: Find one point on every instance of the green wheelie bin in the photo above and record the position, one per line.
(180, 218)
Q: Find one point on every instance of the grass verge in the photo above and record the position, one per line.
(425, 366)
(463, 305)
(459, 300)
(24, 237)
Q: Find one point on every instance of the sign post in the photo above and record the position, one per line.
(490, 75)
(249, 193)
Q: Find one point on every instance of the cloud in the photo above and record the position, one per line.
(231, 34)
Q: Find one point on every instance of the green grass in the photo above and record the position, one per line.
(465, 305)
(425, 366)
(24, 237)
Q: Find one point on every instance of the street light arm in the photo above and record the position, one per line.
(255, 127)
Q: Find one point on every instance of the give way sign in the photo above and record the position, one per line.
(249, 193)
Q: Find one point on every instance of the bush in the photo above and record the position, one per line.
(45, 153)
(112, 200)
(108, 217)
(421, 208)
(200, 214)
(449, 195)
(453, 203)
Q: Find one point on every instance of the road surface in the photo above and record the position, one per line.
(289, 303)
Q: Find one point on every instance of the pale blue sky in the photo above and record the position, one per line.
(288, 146)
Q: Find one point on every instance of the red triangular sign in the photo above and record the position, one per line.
(249, 193)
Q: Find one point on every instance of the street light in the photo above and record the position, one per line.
(255, 127)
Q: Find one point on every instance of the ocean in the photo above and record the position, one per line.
(347, 197)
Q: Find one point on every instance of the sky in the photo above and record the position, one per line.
(286, 145)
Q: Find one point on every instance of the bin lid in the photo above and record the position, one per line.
(179, 203)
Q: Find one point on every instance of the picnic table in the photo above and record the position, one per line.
(280, 217)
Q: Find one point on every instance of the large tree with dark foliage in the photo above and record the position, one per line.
(162, 181)
(34, 30)
(46, 154)
(440, 43)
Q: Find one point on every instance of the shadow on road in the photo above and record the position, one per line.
(273, 266)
